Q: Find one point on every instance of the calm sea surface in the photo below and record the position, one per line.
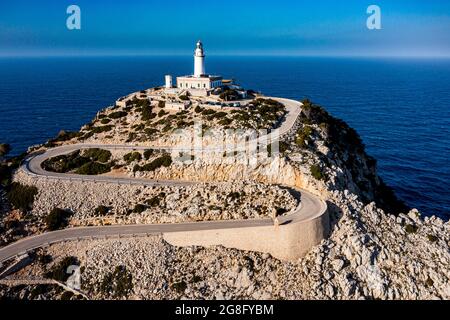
(401, 108)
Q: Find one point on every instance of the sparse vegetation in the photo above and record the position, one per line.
(139, 208)
(316, 172)
(93, 168)
(411, 228)
(96, 154)
(101, 210)
(132, 156)
(117, 114)
(101, 129)
(92, 161)
(118, 283)
(57, 219)
(147, 113)
(148, 153)
(179, 286)
(163, 161)
(65, 163)
(156, 200)
(21, 196)
(303, 136)
(161, 113)
(432, 238)
(105, 121)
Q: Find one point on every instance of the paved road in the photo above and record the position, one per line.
(309, 207)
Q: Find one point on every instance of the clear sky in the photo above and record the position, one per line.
(263, 27)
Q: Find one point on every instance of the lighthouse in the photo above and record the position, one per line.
(198, 84)
(199, 60)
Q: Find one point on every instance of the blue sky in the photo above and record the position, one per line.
(232, 27)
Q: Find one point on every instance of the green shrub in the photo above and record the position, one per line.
(411, 228)
(150, 131)
(196, 279)
(316, 172)
(139, 208)
(161, 113)
(105, 121)
(65, 163)
(139, 127)
(179, 287)
(161, 104)
(4, 149)
(163, 161)
(207, 112)
(153, 202)
(117, 114)
(65, 136)
(21, 196)
(57, 219)
(303, 136)
(132, 136)
(283, 146)
(234, 195)
(184, 97)
(220, 114)
(225, 122)
(101, 129)
(93, 168)
(101, 210)
(148, 153)
(96, 154)
(198, 109)
(132, 156)
(118, 283)
(147, 113)
(432, 238)
(59, 271)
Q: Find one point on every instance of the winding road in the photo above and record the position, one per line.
(309, 208)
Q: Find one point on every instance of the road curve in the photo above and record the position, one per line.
(309, 208)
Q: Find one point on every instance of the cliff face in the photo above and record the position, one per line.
(346, 152)
(377, 248)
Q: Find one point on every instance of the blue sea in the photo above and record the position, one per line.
(400, 107)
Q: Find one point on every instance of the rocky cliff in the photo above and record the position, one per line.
(378, 248)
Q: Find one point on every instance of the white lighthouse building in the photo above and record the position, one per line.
(199, 60)
(198, 84)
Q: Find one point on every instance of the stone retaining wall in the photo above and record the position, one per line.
(290, 241)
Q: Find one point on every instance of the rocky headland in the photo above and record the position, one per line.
(378, 248)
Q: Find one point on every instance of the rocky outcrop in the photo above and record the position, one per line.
(157, 204)
(378, 248)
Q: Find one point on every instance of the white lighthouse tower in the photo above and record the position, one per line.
(198, 84)
(199, 60)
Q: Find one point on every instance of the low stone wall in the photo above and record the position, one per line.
(290, 241)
